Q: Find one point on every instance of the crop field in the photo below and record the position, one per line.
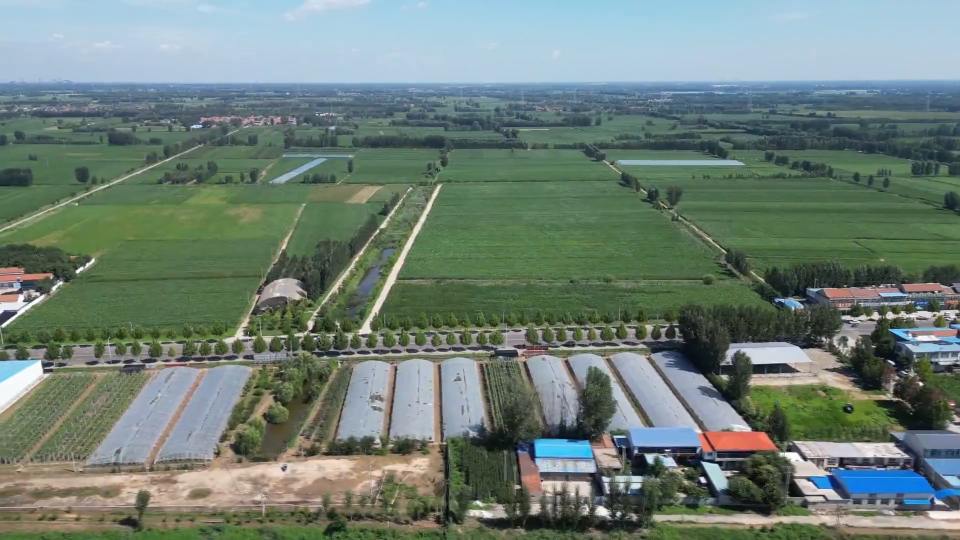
(779, 221)
(488, 473)
(500, 380)
(392, 166)
(159, 264)
(562, 231)
(38, 413)
(949, 383)
(661, 177)
(410, 299)
(816, 413)
(524, 166)
(327, 221)
(86, 427)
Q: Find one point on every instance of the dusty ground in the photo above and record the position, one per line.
(363, 195)
(303, 482)
(824, 370)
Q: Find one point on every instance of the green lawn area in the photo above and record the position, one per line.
(391, 166)
(816, 413)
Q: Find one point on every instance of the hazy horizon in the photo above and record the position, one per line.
(496, 42)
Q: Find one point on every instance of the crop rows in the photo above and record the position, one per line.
(321, 427)
(35, 416)
(501, 380)
(88, 425)
(489, 473)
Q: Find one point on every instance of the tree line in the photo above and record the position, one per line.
(512, 319)
(707, 331)
(795, 279)
(16, 177)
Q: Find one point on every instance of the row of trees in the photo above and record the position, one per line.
(76, 335)
(708, 331)
(795, 279)
(925, 168)
(319, 178)
(16, 177)
(513, 319)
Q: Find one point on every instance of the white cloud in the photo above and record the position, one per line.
(206, 8)
(421, 5)
(556, 54)
(166, 47)
(319, 6)
(490, 45)
(56, 37)
(791, 16)
(106, 46)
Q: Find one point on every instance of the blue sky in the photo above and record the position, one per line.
(476, 41)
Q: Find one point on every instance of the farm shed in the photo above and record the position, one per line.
(884, 488)
(827, 454)
(280, 293)
(657, 401)
(557, 393)
(138, 431)
(363, 409)
(462, 404)
(16, 378)
(561, 460)
(766, 355)
(412, 415)
(626, 416)
(196, 434)
(679, 441)
(697, 393)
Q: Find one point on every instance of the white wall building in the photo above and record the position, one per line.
(16, 378)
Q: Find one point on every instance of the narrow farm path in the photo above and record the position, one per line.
(283, 246)
(36, 448)
(395, 271)
(343, 275)
(690, 225)
(86, 194)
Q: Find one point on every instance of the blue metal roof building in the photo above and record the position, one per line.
(717, 480)
(564, 457)
(12, 367)
(870, 486)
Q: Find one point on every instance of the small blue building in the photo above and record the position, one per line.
(679, 442)
(884, 488)
(564, 460)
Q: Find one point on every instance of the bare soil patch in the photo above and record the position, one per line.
(363, 195)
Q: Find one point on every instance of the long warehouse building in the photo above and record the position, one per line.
(625, 417)
(656, 399)
(412, 414)
(17, 377)
(461, 401)
(555, 389)
(698, 393)
(363, 409)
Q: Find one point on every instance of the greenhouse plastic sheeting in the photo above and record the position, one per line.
(557, 394)
(462, 405)
(698, 393)
(136, 434)
(625, 417)
(362, 414)
(658, 402)
(412, 415)
(196, 435)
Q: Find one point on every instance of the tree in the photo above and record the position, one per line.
(940, 322)
(436, 341)
(591, 334)
(277, 413)
(622, 331)
(309, 343)
(120, 349)
(20, 136)
(466, 338)
(482, 339)
(923, 369)
(420, 338)
(656, 334)
(259, 345)
(778, 425)
(190, 348)
(517, 423)
(533, 337)
(350, 166)
(82, 174)
(856, 177)
(355, 341)
(606, 334)
(141, 504)
(951, 200)
(671, 332)
(547, 335)
(372, 340)
(561, 334)
(886, 182)
(389, 340)
(136, 349)
(66, 352)
(596, 405)
(98, 349)
(496, 337)
(205, 348)
(221, 348)
(451, 339)
(674, 194)
(24, 354)
(738, 385)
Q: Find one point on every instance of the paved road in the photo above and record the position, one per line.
(83, 355)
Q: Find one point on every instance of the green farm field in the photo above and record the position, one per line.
(333, 221)
(163, 264)
(411, 298)
(816, 413)
(391, 166)
(524, 166)
(559, 231)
